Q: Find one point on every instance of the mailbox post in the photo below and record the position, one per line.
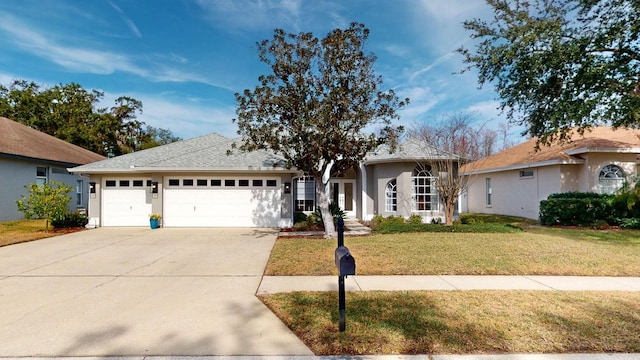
(346, 265)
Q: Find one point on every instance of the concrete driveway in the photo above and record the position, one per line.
(135, 291)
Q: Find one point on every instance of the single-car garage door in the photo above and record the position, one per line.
(217, 202)
(126, 202)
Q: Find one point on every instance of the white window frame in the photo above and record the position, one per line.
(306, 202)
(79, 188)
(423, 187)
(42, 179)
(391, 196)
(610, 179)
(489, 192)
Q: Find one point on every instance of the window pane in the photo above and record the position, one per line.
(174, 182)
(187, 182)
(110, 183)
(229, 183)
(243, 182)
(41, 171)
(138, 183)
(124, 183)
(202, 182)
(257, 183)
(216, 182)
(272, 183)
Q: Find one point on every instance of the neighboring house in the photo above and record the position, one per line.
(514, 181)
(196, 183)
(28, 156)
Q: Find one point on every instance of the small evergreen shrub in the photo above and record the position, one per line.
(70, 220)
(415, 219)
(299, 217)
(583, 209)
(630, 223)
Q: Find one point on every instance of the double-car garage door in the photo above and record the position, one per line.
(195, 202)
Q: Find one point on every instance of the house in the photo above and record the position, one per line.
(198, 183)
(28, 156)
(514, 181)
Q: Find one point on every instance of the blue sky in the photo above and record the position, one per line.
(185, 59)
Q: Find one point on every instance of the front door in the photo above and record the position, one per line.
(343, 193)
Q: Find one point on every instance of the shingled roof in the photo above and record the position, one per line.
(598, 139)
(20, 141)
(410, 150)
(203, 153)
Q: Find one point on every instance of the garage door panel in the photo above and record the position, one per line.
(125, 207)
(221, 207)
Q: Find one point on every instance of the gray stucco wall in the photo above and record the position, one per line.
(15, 174)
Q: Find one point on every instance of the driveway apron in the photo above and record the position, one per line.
(135, 291)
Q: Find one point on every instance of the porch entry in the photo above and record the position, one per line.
(343, 194)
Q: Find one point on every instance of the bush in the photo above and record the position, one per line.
(631, 223)
(396, 227)
(584, 209)
(299, 217)
(70, 220)
(415, 219)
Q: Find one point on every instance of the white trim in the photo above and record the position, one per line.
(526, 166)
(603, 150)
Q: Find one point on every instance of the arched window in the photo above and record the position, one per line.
(391, 196)
(424, 193)
(611, 179)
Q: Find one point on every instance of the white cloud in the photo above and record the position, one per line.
(252, 14)
(130, 24)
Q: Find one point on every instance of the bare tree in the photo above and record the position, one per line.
(456, 143)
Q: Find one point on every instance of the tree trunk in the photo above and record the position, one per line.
(323, 205)
(448, 213)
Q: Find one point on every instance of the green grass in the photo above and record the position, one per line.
(463, 322)
(534, 251)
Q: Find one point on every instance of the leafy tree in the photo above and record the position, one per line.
(71, 113)
(47, 201)
(559, 64)
(453, 142)
(316, 105)
(156, 136)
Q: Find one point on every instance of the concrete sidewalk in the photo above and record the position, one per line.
(276, 284)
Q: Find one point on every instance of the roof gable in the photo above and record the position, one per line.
(600, 139)
(22, 141)
(412, 150)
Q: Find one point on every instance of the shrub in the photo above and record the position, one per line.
(415, 219)
(395, 227)
(299, 217)
(376, 222)
(70, 220)
(584, 209)
(630, 223)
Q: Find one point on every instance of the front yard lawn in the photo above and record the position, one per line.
(518, 253)
(13, 232)
(463, 322)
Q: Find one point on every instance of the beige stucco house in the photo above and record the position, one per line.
(196, 183)
(514, 181)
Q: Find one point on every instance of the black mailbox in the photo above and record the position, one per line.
(345, 263)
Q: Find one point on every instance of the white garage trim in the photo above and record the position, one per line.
(126, 201)
(222, 202)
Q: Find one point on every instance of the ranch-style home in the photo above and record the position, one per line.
(30, 156)
(514, 181)
(196, 183)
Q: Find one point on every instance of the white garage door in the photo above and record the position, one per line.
(238, 202)
(126, 202)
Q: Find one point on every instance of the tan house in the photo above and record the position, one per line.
(28, 156)
(195, 183)
(514, 181)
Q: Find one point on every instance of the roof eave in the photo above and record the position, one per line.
(627, 150)
(526, 166)
(135, 169)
